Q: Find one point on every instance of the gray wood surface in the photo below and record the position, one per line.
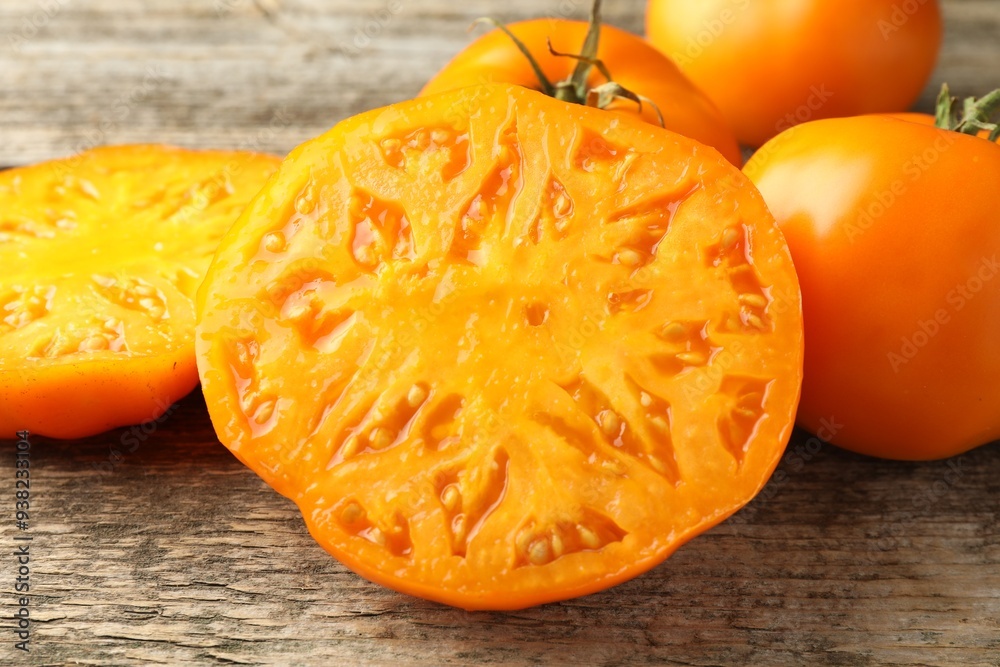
(272, 73)
(176, 554)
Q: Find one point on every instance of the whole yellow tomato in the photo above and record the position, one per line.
(671, 99)
(893, 228)
(771, 65)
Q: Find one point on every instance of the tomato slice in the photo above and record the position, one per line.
(502, 350)
(102, 254)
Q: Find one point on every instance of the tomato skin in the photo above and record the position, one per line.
(771, 65)
(892, 227)
(113, 394)
(493, 58)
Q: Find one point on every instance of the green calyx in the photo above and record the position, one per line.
(975, 115)
(575, 89)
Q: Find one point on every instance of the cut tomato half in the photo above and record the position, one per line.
(502, 350)
(102, 254)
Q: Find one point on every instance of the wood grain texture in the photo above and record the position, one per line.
(271, 73)
(176, 554)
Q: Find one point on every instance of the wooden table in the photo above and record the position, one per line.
(174, 553)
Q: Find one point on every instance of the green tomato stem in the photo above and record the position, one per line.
(575, 89)
(976, 114)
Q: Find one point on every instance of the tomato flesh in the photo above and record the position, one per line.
(503, 350)
(102, 255)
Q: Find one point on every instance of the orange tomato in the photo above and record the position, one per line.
(101, 256)
(892, 226)
(494, 58)
(772, 65)
(503, 350)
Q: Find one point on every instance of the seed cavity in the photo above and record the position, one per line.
(538, 543)
(536, 314)
(738, 423)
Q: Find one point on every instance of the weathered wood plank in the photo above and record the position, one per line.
(177, 554)
(273, 73)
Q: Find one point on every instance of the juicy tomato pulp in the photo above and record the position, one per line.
(102, 254)
(503, 350)
(494, 58)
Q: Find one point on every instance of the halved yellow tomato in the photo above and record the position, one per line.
(101, 256)
(503, 350)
